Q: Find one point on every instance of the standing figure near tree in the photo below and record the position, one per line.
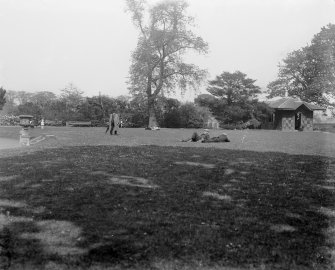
(158, 65)
(114, 122)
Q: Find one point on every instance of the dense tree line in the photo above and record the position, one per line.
(71, 105)
(2, 97)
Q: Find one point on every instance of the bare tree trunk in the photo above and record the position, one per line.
(151, 112)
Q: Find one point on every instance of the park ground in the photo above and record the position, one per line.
(81, 199)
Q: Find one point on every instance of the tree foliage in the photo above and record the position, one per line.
(29, 108)
(309, 73)
(233, 100)
(171, 113)
(157, 65)
(205, 100)
(192, 116)
(43, 99)
(73, 99)
(132, 110)
(233, 88)
(2, 97)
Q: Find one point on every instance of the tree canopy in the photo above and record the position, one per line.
(157, 65)
(233, 100)
(309, 73)
(233, 87)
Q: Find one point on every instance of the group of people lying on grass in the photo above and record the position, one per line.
(205, 138)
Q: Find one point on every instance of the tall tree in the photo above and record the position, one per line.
(43, 98)
(157, 65)
(309, 73)
(22, 97)
(2, 97)
(29, 108)
(233, 88)
(233, 99)
(10, 106)
(323, 52)
(72, 97)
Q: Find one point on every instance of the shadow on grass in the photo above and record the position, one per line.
(138, 206)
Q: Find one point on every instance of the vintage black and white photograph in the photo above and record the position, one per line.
(167, 134)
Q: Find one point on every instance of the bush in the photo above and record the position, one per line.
(56, 123)
(192, 116)
(9, 120)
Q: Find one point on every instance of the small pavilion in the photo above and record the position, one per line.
(293, 114)
(212, 123)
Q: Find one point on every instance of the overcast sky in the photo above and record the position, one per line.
(47, 44)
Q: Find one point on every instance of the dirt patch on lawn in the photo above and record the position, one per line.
(205, 165)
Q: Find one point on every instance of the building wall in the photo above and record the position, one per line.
(212, 123)
(285, 119)
(306, 118)
(288, 120)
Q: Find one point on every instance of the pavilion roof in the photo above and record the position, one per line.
(289, 103)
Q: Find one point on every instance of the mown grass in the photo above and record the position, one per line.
(167, 207)
(306, 143)
(326, 127)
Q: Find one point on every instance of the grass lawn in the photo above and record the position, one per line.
(144, 200)
(328, 127)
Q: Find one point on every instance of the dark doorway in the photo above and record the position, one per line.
(298, 120)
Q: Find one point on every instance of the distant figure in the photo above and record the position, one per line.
(121, 123)
(42, 123)
(114, 122)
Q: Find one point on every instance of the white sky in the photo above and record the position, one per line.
(46, 44)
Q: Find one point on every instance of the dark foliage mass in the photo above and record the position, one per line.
(233, 101)
(2, 97)
(72, 106)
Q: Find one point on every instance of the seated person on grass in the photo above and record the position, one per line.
(198, 138)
